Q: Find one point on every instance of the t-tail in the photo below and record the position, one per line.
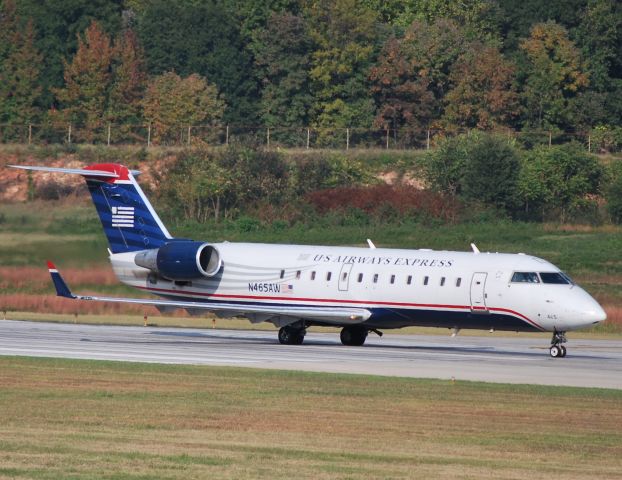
(129, 221)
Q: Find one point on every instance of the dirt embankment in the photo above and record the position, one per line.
(15, 184)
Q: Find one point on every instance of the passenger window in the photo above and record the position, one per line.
(298, 275)
(458, 282)
(312, 275)
(375, 278)
(554, 277)
(392, 279)
(360, 277)
(409, 280)
(525, 277)
(442, 281)
(282, 273)
(425, 280)
(328, 275)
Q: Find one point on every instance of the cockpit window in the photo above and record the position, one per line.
(525, 277)
(557, 278)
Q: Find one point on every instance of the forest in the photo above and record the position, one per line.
(403, 66)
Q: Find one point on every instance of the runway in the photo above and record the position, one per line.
(491, 358)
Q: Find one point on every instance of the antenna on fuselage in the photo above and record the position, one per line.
(474, 247)
(371, 244)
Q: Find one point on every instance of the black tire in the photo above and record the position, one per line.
(291, 336)
(555, 351)
(353, 336)
(563, 351)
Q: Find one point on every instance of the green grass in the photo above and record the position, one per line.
(89, 419)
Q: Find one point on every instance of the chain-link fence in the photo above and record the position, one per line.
(600, 140)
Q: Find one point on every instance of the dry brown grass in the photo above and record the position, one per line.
(92, 420)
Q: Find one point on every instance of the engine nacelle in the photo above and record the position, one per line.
(184, 260)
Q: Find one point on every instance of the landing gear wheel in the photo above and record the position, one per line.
(555, 351)
(291, 336)
(353, 336)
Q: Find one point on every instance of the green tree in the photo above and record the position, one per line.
(84, 98)
(172, 104)
(204, 38)
(555, 73)
(19, 70)
(483, 94)
(343, 31)
(282, 57)
(558, 181)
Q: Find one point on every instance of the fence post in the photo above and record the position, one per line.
(227, 136)
(428, 141)
(308, 137)
(347, 139)
(189, 128)
(29, 134)
(387, 138)
(149, 134)
(108, 133)
(268, 138)
(589, 143)
(69, 134)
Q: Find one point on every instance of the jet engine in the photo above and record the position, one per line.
(185, 260)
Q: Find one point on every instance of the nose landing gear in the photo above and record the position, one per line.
(557, 350)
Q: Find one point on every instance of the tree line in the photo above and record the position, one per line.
(406, 64)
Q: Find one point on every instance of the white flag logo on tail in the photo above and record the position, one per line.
(123, 217)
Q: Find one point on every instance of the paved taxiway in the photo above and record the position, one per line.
(492, 358)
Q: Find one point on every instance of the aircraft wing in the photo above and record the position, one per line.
(256, 313)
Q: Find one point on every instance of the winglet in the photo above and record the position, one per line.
(62, 290)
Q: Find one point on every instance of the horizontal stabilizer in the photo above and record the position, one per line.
(77, 171)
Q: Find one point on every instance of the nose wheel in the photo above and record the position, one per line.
(557, 350)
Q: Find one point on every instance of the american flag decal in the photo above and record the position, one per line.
(285, 288)
(123, 217)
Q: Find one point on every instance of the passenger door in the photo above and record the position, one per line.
(478, 293)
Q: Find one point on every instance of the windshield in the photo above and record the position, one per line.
(555, 277)
(525, 277)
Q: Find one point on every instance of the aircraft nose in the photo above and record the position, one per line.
(594, 313)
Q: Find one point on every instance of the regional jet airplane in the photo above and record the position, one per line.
(361, 290)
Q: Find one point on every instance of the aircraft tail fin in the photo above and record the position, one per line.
(129, 221)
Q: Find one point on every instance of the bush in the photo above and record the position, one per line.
(559, 181)
(479, 167)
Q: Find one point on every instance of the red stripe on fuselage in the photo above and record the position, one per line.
(333, 300)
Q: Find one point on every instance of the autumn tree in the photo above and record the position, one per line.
(555, 74)
(412, 75)
(84, 98)
(483, 95)
(172, 104)
(402, 91)
(19, 69)
(128, 85)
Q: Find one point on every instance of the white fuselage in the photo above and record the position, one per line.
(401, 287)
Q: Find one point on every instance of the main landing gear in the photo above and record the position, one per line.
(292, 335)
(557, 349)
(353, 336)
